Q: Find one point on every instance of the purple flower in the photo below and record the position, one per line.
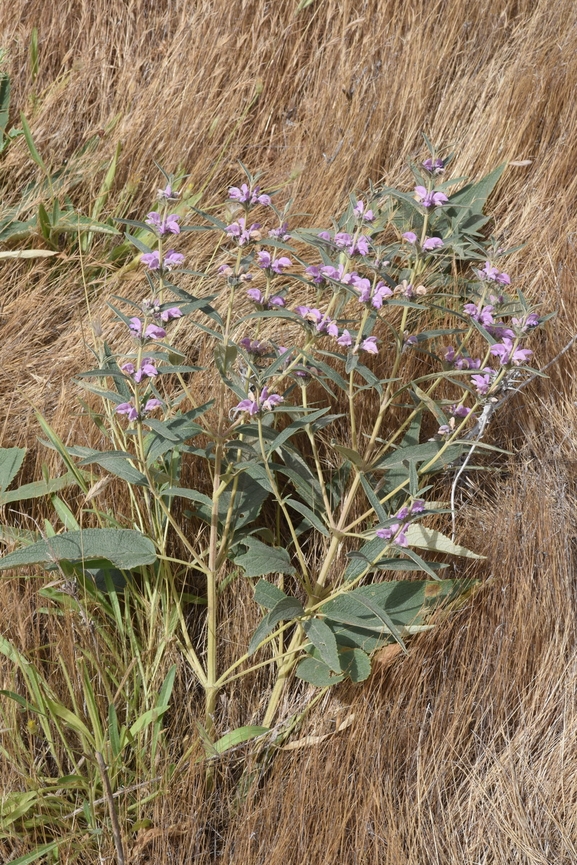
(444, 430)
(430, 199)
(342, 239)
(434, 166)
(249, 405)
(243, 234)
(410, 237)
(345, 339)
(325, 235)
(418, 506)
(361, 213)
(128, 409)
(242, 194)
(153, 331)
(151, 259)
(459, 410)
(492, 273)
(370, 344)
(327, 325)
(168, 314)
(483, 316)
(253, 346)
(168, 194)
(172, 259)
(147, 370)
(253, 404)
(360, 247)
(527, 323)
(128, 368)
(269, 401)
(380, 294)
(281, 264)
(506, 354)
(281, 232)
(275, 302)
(163, 225)
(135, 326)
(315, 272)
(264, 259)
(397, 532)
(449, 354)
(432, 243)
(482, 383)
(152, 404)
(467, 363)
(255, 294)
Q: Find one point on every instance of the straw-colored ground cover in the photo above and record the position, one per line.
(464, 751)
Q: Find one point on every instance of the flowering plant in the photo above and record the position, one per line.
(349, 366)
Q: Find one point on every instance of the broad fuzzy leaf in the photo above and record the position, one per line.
(124, 548)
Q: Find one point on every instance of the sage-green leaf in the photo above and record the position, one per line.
(11, 460)
(260, 559)
(285, 610)
(324, 641)
(429, 539)
(237, 737)
(267, 594)
(317, 673)
(124, 548)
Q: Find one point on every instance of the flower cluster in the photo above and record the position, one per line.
(245, 195)
(430, 198)
(170, 260)
(257, 404)
(133, 413)
(161, 225)
(397, 531)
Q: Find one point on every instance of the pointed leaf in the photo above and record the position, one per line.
(285, 610)
(324, 640)
(260, 559)
(429, 539)
(11, 460)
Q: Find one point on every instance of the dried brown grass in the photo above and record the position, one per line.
(464, 752)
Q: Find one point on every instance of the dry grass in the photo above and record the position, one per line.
(465, 752)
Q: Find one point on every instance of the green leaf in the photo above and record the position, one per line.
(146, 719)
(117, 463)
(284, 610)
(71, 720)
(31, 146)
(310, 516)
(4, 105)
(113, 731)
(475, 195)
(34, 855)
(324, 640)
(37, 489)
(407, 604)
(124, 548)
(429, 539)
(185, 493)
(352, 456)
(261, 559)
(237, 737)
(356, 664)
(317, 673)
(267, 594)
(296, 426)
(11, 460)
